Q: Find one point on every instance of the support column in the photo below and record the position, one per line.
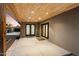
(2, 31)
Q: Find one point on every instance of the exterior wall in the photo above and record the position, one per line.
(64, 30)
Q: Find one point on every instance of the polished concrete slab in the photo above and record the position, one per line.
(33, 47)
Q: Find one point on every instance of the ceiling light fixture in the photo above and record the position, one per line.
(39, 18)
(46, 13)
(32, 12)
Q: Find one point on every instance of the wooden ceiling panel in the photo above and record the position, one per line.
(30, 12)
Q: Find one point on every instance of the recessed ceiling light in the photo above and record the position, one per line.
(39, 18)
(32, 12)
(46, 13)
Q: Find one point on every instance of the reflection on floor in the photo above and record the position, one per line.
(33, 47)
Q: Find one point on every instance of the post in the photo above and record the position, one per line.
(2, 31)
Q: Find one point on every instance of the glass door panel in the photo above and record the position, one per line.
(27, 29)
(32, 29)
(43, 30)
(46, 30)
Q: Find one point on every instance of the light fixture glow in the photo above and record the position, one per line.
(39, 18)
(32, 12)
(46, 13)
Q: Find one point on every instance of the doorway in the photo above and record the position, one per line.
(30, 30)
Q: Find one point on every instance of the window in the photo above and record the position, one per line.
(30, 29)
(45, 30)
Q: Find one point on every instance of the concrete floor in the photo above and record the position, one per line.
(33, 47)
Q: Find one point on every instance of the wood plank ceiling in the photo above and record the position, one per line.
(37, 12)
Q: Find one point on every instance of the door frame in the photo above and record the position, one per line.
(30, 30)
(45, 30)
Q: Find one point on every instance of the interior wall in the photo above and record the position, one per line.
(22, 30)
(64, 30)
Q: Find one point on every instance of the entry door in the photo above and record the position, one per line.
(30, 30)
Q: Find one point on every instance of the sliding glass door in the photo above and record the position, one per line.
(30, 30)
